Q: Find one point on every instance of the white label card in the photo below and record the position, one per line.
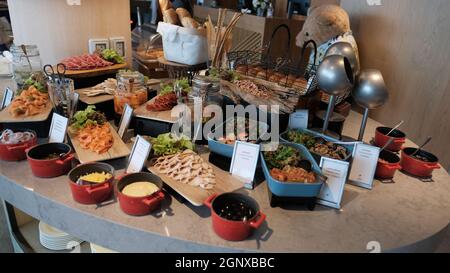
(139, 154)
(333, 189)
(244, 162)
(125, 120)
(7, 98)
(58, 129)
(365, 160)
(299, 119)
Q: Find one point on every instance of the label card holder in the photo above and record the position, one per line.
(244, 162)
(58, 129)
(364, 165)
(333, 190)
(125, 120)
(299, 119)
(8, 96)
(139, 154)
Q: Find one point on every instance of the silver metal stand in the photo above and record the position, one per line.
(363, 124)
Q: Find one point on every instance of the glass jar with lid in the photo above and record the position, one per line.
(208, 88)
(130, 90)
(26, 61)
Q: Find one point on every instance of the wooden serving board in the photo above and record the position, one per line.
(95, 72)
(6, 117)
(196, 195)
(118, 150)
(164, 116)
(93, 100)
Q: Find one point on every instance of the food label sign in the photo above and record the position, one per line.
(336, 171)
(365, 160)
(125, 120)
(58, 129)
(243, 164)
(139, 154)
(7, 98)
(299, 119)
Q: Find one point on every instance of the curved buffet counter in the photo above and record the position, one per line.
(409, 215)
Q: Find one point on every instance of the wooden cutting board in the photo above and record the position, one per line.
(195, 195)
(95, 72)
(6, 117)
(118, 150)
(164, 116)
(93, 100)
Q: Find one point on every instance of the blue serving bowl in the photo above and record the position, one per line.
(317, 157)
(223, 149)
(289, 189)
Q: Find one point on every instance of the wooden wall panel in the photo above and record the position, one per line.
(61, 30)
(408, 41)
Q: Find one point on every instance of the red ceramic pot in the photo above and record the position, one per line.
(138, 206)
(417, 167)
(382, 139)
(91, 194)
(48, 168)
(17, 152)
(387, 170)
(230, 230)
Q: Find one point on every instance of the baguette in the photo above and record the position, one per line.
(182, 13)
(189, 22)
(164, 5)
(170, 16)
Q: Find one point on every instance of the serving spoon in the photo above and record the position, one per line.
(421, 146)
(396, 127)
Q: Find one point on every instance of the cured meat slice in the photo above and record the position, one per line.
(84, 62)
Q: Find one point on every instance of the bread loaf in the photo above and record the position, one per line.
(189, 22)
(164, 5)
(182, 13)
(170, 17)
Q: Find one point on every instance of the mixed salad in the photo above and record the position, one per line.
(87, 117)
(170, 144)
(318, 145)
(111, 55)
(287, 165)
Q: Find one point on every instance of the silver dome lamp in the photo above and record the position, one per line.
(370, 93)
(335, 77)
(345, 49)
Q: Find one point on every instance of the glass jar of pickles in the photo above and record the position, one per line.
(130, 90)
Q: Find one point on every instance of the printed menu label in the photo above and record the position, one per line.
(139, 154)
(299, 119)
(58, 128)
(365, 160)
(244, 162)
(7, 97)
(336, 171)
(125, 121)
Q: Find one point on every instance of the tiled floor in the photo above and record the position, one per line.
(5, 243)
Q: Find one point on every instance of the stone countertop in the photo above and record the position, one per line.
(408, 215)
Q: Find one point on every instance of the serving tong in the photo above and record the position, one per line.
(61, 90)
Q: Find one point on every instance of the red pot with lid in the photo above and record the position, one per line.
(50, 160)
(381, 139)
(17, 152)
(422, 164)
(234, 216)
(91, 193)
(139, 206)
(388, 164)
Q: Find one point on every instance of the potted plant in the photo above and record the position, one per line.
(261, 6)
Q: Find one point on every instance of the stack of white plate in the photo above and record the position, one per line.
(99, 249)
(54, 239)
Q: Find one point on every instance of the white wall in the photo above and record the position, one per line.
(61, 30)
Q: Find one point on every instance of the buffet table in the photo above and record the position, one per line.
(408, 215)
